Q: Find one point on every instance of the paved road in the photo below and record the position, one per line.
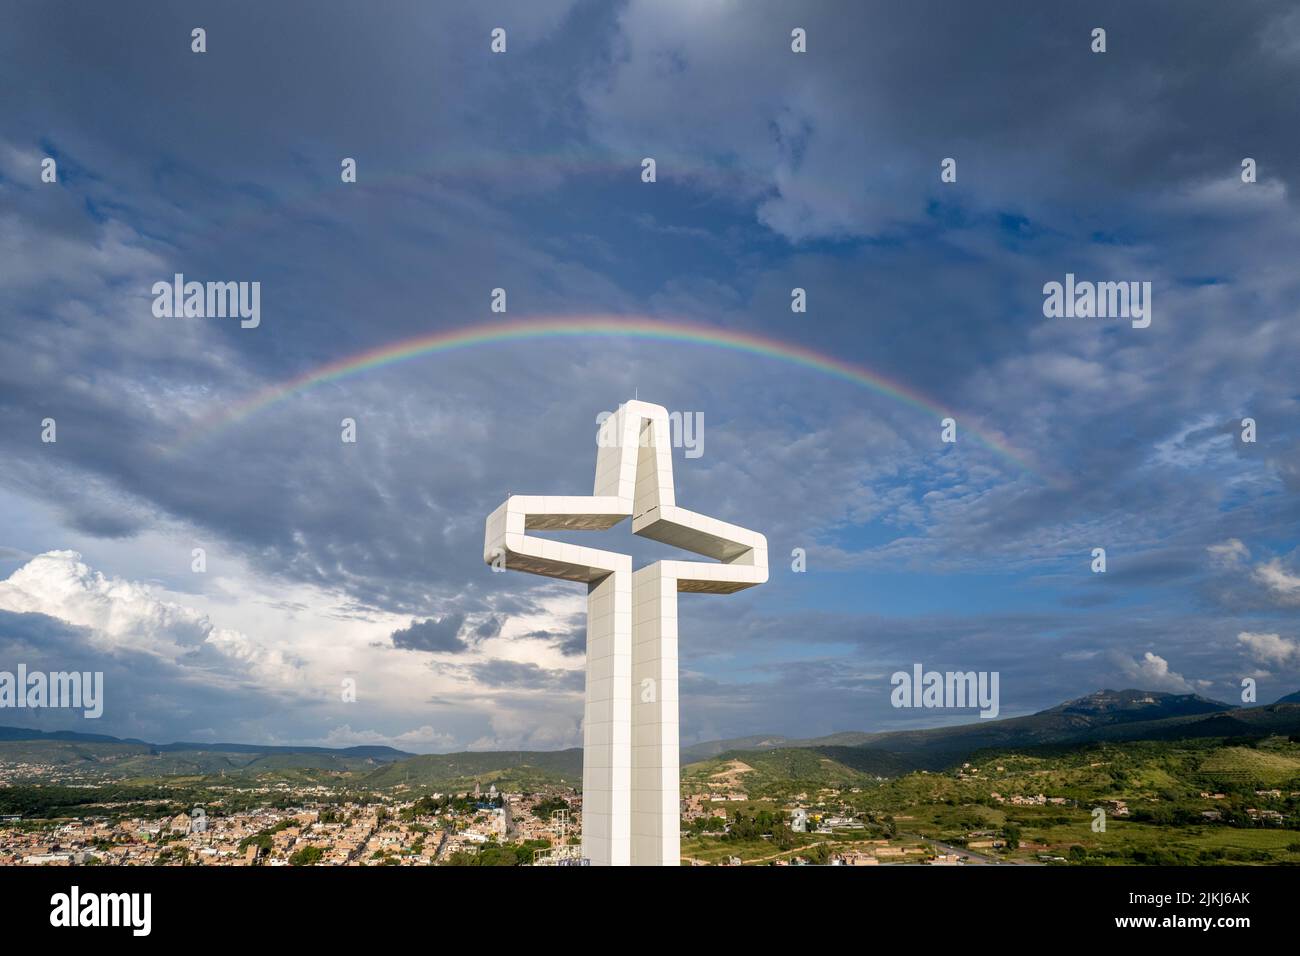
(962, 851)
(939, 848)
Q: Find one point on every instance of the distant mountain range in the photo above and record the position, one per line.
(369, 752)
(365, 768)
(1106, 715)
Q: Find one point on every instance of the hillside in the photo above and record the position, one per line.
(1107, 714)
(508, 769)
(1104, 715)
(715, 748)
(35, 755)
(69, 753)
(28, 735)
(789, 769)
(842, 759)
(102, 756)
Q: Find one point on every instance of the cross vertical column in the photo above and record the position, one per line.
(631, 805)
(607, 722)
(656, 797)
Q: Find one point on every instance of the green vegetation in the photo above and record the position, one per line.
(361, 769)
(307, 856)
(497, 854)
(1197, 801)
(153, 800)
(262, 839)
(707, 825)
(508, 770)
(1168, 802)
(545, 808)
(761, 824)
(775, 774)
(174, 854)
(1178, 781)
(432, 806)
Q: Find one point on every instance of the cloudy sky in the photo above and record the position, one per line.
(328, 561)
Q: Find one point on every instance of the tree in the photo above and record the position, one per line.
(545, 808)
(1012, 834)
(307, 856)
(818, 855)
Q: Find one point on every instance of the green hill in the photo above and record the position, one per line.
(508, 769)
(68, 753)
(773, 763)
(1105, 715)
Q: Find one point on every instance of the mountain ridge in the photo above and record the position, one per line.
(1092, 713)
(371, 751)
(1105, 715)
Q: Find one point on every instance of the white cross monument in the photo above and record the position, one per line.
(630, 773)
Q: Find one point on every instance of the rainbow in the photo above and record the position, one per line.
(632, 327)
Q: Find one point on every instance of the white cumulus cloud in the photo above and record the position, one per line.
(1152, 672)
(1229, 553)
(1269, 648)
(1281, 583)
(121, 615)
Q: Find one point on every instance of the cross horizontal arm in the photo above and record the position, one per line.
(506, 545)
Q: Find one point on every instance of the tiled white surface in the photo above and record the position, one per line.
(631, 798)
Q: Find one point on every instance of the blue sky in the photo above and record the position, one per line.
(521, 170)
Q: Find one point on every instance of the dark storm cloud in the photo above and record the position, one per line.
(442, 636)
(570, 641)
(776, 171)
(490, 627)
(526, 676)
(472, 436)
(144, 696)
(934, 79)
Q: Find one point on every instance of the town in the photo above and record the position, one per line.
(313, 828)
(105, 802)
